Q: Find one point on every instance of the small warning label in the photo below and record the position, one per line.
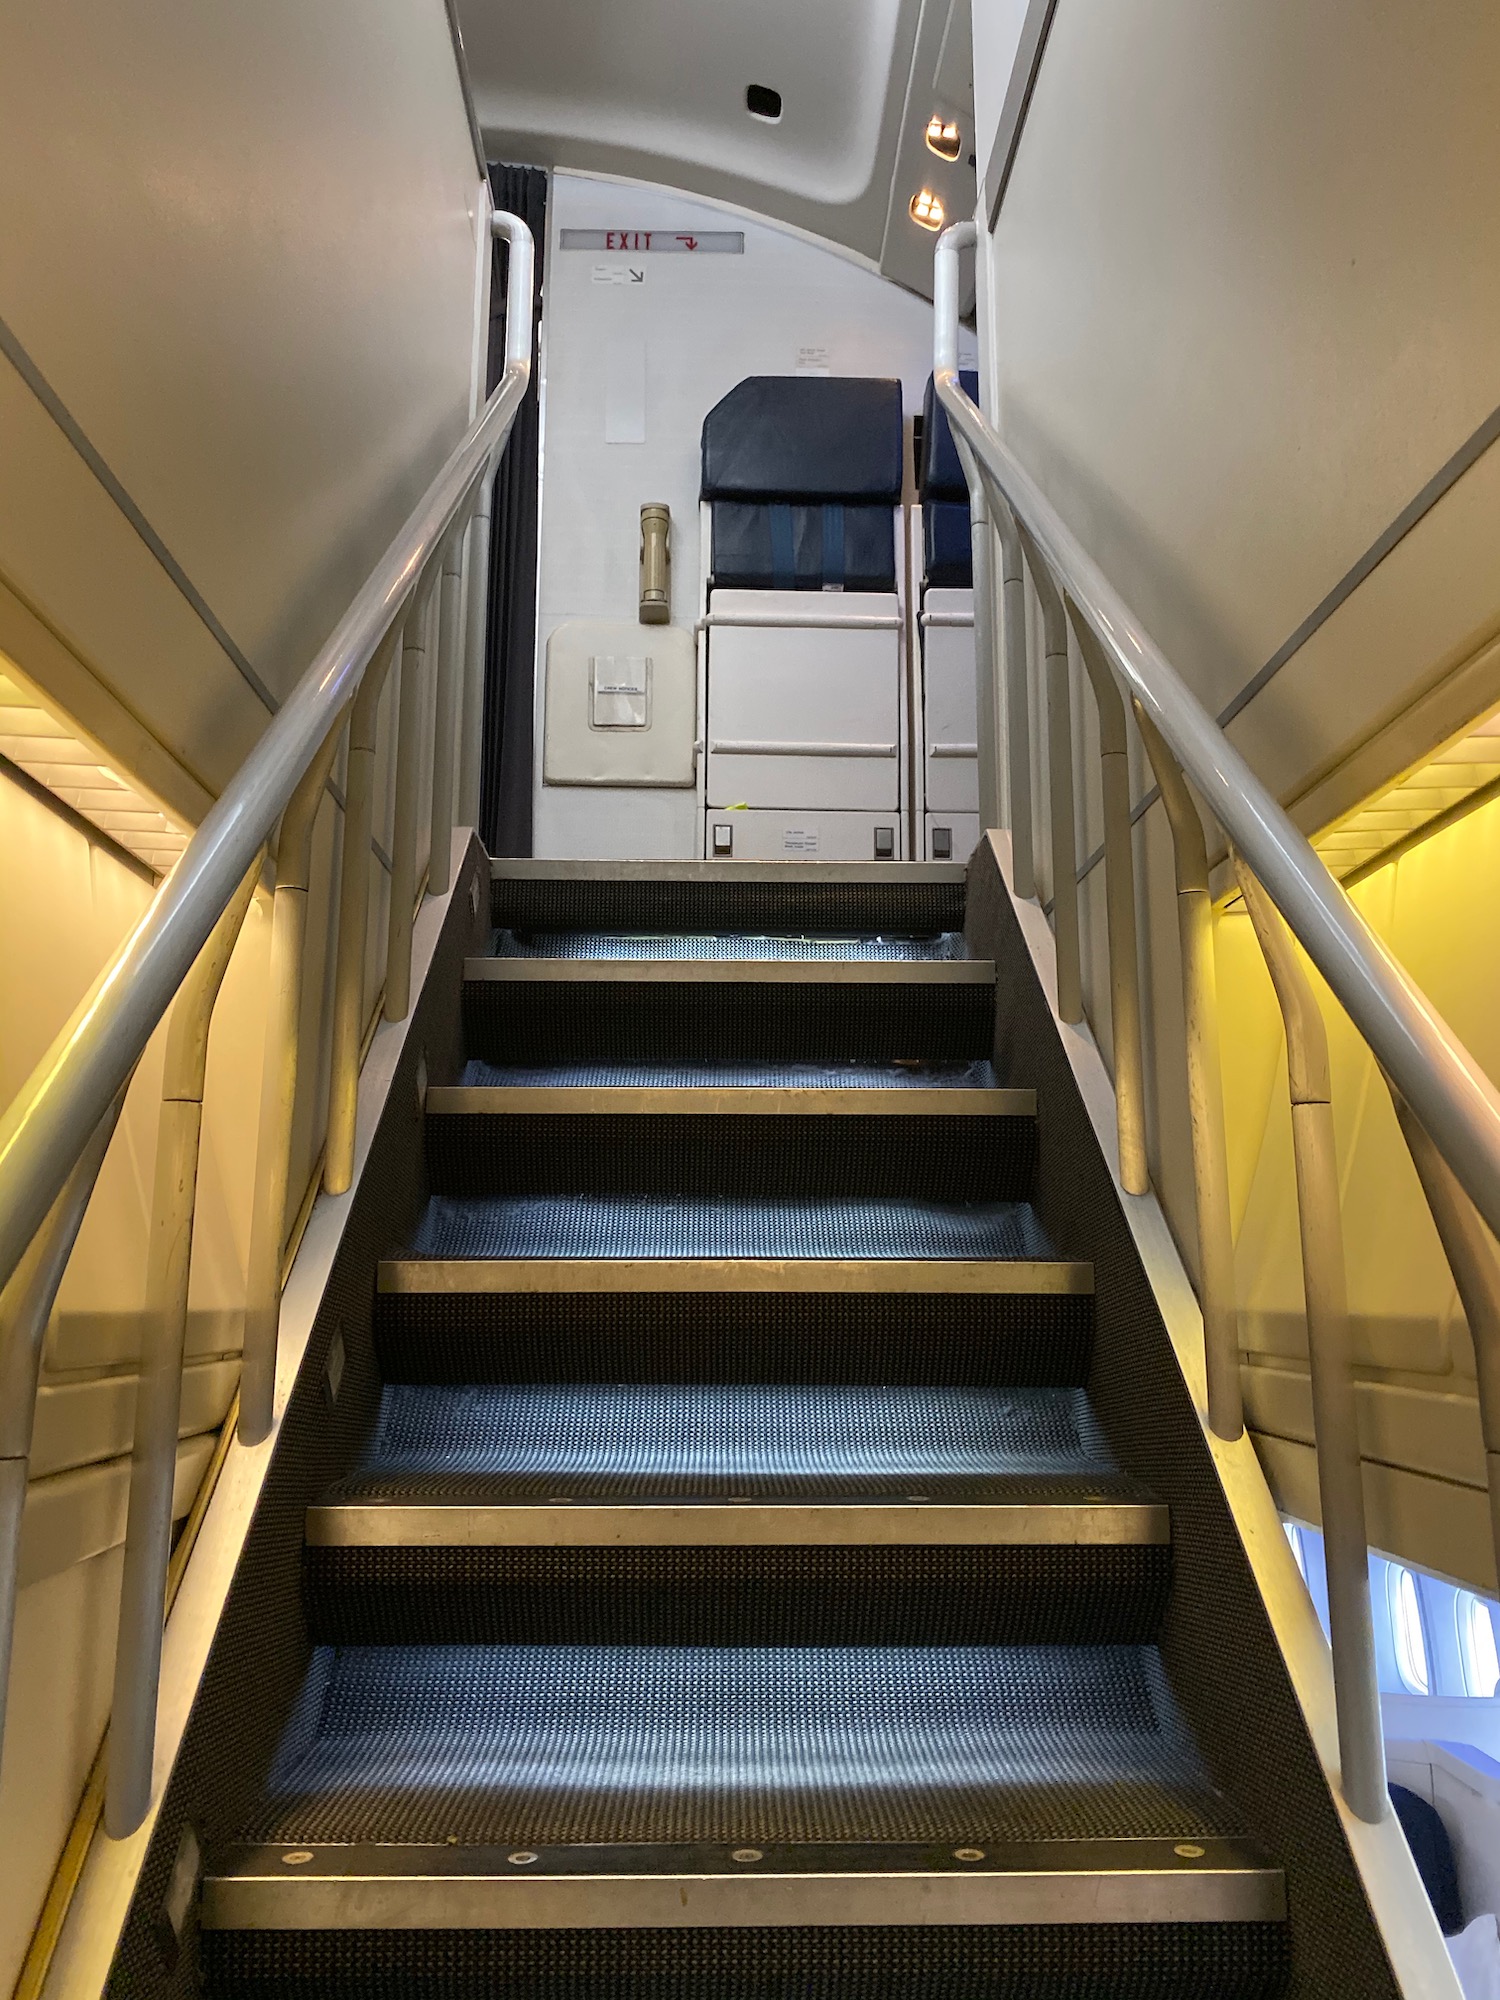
(799, 840)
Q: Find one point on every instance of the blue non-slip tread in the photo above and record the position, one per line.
(498, 1442)
(731, 1075)
(589, 1743)
(944, 947)
(645, 1226)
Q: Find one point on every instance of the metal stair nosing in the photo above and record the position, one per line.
(444, 1887)
(903, 972)
(830, 874)
(1000, 1277)
(1099, 1521)
(724, 1101)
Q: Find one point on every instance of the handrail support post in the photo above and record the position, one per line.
(1205, 1081)
(158, 1400)
(1330, 1362)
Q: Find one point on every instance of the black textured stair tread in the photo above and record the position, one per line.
(807, 950)
(730, 1075)
(561, 1744)
(496, 1443)
(644, 1226)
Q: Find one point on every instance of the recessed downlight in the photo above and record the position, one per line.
(764, 103)
(926, 210)
(943, 137)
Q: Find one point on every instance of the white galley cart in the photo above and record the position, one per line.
(803, 621)
(948, 812)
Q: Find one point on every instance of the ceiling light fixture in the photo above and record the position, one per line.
(926, 210)
(943, 137)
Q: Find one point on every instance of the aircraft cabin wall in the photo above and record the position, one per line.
(1239, 306)
(243, 267)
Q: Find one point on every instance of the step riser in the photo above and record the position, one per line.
(734, 1158)
(726, 1020)
(981, 1340)
(736, 1596)
(722, 904)
(1096, 1961)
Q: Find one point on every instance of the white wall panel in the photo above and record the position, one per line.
(997, 26)
(1244, 312)
(705, 323)
(54, 1721)
(238, 243)
(658, 93)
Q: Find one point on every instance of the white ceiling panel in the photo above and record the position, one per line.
(669, 77)
(656, 92)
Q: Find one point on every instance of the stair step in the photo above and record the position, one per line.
(548, 1010)
(732, 1515)
(734, 1320)
(882, 1078)
(731, 1143)
(699, 1227)
(901, 899)
(726, 972)
(726, 947)
(811, 1447)
(533, 1746)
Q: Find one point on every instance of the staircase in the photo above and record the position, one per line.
(731, 1588)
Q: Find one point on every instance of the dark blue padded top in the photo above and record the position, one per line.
(805, 438)
(942, 475)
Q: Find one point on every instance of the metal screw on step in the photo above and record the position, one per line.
(1188, 1851)
(297, 1856)
(747, 1854)
(523, 1858)
(968, 1854)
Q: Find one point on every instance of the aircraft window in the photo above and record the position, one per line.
(1406, 1624)
(1476, 1644)
(762, 102)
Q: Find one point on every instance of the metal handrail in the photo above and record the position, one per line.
(1456, 1102)
(1449, 1109)
(54, 1134)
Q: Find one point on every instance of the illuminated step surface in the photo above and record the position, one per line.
(885, 1785)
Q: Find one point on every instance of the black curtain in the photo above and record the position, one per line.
(510, 663)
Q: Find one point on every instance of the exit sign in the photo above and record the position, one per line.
(652, 242)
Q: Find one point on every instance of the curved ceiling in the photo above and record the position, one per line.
(655, 90)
